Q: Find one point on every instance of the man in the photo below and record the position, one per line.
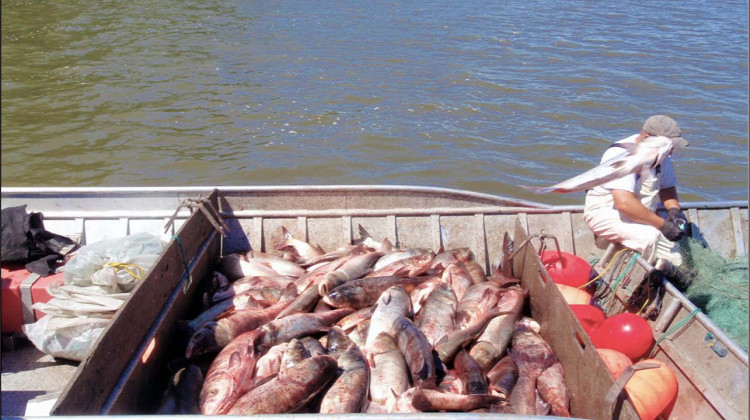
(623, 210)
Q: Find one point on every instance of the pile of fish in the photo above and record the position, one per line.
(367, 328)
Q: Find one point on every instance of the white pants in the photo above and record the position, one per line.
(606, 222)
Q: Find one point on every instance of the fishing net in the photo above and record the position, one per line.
(719, 287)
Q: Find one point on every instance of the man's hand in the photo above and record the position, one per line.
(674, 215)
(671, 230)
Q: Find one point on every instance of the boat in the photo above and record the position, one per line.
(712, 373)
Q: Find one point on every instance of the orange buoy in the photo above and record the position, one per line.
(653, 391)
(616, 361)
(574, 295)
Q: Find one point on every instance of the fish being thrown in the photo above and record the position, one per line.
(635, 158)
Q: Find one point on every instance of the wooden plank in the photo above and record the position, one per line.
(416, 232)
(346, 229)
(256, 243)
(390, 223)
(496, 225)
(480, 242)
(586, 375)
(98, 373)
(435, 232)
(715, 227)
(138, 390)
(737, 225)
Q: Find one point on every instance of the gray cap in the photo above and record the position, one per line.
(662, 125)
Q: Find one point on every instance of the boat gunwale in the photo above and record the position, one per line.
(510, 205)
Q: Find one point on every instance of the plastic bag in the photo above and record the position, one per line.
(115, 264)
(96, 282)
(69, 338)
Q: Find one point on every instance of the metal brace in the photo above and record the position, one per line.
(542, 237)
(615, 393)
(203, 205)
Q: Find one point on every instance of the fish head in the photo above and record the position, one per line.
(218, 394)
(338, 341)
(658, 147)
(203, 341)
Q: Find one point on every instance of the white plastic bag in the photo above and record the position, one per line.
(69, 338)
(97, 281)
(117, 264)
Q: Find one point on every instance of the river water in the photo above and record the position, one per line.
(477, 95)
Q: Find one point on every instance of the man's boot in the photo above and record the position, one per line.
(676, 275)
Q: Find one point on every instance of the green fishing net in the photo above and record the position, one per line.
(719, 287)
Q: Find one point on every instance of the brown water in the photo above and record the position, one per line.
(483, 96)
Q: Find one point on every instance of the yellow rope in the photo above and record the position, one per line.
(623, 274)
(640, 311)
(611, 261)
(134, 270)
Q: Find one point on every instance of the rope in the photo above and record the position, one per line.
(672, 330)
(607, 268)
(622, 275)
(134, 270)
(185, 261)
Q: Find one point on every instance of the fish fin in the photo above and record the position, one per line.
(629, 147)
(387, 299)
(617, 164)
(540, 190)
(363, 232)
(443, 235)
(230, 310)
(289, 292)
(401, 272)
(235, 359)
(286, 233)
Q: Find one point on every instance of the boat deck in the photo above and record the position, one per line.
(27, 373)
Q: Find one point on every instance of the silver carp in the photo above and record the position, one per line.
(294, 353)
(298, 325)
(302, 250)
(634, 159)
(502, 377)
(289, 392)
(389, 372)
(214, 335)
(491, 345)
(230, 374)
(472, 377)
(349, 391)
(532, 355)
(395, 256)
(391, 304)
(451, 343)
(362, 293)
(352, 269)
(417, 352)
(437, 316)
(478, 299)
(409, 267)
(431, 400)
(551, 387)
(458, 277)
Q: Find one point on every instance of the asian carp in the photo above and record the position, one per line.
(635, 158)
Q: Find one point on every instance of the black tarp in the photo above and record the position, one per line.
(24, 240)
